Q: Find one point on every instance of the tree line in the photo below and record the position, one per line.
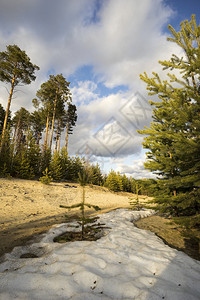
(21, 150)
(26, 145)
(172, 140)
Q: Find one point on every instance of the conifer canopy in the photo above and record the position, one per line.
(173, 138)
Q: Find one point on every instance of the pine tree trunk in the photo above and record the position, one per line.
(59, 141)
(7, 111)
(66, 136)
(57, 137)
(46, 134)
(53, 119)
(15, 138)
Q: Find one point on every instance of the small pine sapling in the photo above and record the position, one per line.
(135, 202)
(83, 219)
(46, 178)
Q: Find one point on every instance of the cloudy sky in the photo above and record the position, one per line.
(101, 47)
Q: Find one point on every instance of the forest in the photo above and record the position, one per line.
(30, 142)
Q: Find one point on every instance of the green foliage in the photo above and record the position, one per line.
(114, 181)
(16, 61)
(173, 137)
(96, 175)
(15, 69)
(45, 159)
(56, 167)
(24, 170)
(33, 155)
(77, 167)
(4, 172)
(46, 178)
(2, 117)
(135, 203)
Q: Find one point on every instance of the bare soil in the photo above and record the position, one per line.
(172, 234)
(28, 208)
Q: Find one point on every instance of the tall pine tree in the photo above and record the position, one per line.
(173, 138)
(15, 68)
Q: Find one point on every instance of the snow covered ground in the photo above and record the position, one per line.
(126, 263)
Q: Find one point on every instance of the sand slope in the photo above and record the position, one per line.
(28, 207)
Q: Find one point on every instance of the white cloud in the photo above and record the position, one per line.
(135, 169)
(125, 40)
(84, 92)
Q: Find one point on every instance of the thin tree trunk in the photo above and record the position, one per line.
(7, 111)
(59, 141)
(66, 136)
(53, 119)
(16, 134)
(57, 137)
(46, 134)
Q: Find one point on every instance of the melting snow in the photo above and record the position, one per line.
(126, 263)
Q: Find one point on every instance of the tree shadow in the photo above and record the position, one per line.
(177, 280)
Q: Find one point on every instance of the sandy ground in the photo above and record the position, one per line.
(30, 207)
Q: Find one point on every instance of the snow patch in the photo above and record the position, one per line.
(126, 263)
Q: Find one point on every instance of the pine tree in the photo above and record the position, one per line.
(21, 124)
(15, 68)
(114, 181)
(33, 155)
(70, 119)
(2, 117)
(6, 153)
(53, 94)
(83, 180)
(173, 138)
(56, 167)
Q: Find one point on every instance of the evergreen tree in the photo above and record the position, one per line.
(114, 181)
(15, 68)
(70, 119)
(37, 124)
(6, 153)
(83, 180)
(21, 124)
(56, 167)
(126, 184)
(53, 94)
(2, 117)
(66, 164)
(77, 168)
(45, 160)
(173, 138)
(33, 155)
(96, 175)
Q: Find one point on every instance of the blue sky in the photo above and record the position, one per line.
(101, 47)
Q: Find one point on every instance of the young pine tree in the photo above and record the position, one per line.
(56, 167)
(83, 180)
